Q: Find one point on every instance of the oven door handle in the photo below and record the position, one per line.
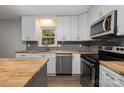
(86, 62)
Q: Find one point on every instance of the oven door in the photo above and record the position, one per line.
(87, 78)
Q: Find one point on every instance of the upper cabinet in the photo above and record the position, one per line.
(59, 28)
(107, 8)
(67, 28)
(28, 29)
(74, 28)
(120, 22)
(83, 30)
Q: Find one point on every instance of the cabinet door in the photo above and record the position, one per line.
(74, 32)
(51, 64)
(108, 77)
(107, 8)
(60, 28)
(121, 80)
(67, 28)
(88, 25)
(83, 27)
(120, 22)
(28, 28)
(94, 14)
(76, 64)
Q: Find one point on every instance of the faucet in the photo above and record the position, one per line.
(46, 45)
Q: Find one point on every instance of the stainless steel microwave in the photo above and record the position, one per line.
(107, 25)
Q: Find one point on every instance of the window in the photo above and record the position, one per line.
(48, 35)
(46, 29)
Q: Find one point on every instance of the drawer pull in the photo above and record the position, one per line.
(23, 55)
(110, 76)
(43, 56)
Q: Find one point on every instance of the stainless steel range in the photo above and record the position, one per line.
(89, 71)
(114, 53)
(90, 64)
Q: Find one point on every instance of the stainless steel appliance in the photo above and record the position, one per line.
(113, 53)
(89, 71)
(63, 63)
(105, 26)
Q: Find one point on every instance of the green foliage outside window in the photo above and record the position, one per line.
(48, 36)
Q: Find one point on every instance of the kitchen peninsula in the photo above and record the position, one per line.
(23, 72)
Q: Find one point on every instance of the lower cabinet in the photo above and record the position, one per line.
(51, 65)
(109, 78)
(76, 64)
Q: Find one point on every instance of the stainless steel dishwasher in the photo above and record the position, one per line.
(64, 64)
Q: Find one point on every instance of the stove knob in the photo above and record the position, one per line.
(122, 49)
(117, 49)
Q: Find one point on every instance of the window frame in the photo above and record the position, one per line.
(55, 39)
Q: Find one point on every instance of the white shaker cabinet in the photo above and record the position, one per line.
(94, 14)
(76, 64)
(109, 78)
(74, 28)
(51, 65)
(63, 28)
(28, 29)
(59, 28)
(83, 28)
(67, 28)
(107, 8)
(120, 22)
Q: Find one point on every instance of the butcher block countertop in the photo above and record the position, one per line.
(57, 51)
(116, 66)
(17, 72)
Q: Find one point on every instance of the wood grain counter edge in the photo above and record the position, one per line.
(119, 69)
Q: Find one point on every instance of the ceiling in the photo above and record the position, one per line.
(16, 11)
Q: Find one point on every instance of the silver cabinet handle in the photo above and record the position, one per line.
(110, 76)
(42, 55)
(22, 55)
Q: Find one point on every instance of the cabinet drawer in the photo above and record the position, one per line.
(21, 55)
(43, 55)
(111, 78)
(107, 70)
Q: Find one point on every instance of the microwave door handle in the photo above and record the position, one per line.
(103, 25)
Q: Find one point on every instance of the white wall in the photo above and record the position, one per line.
(10, 38)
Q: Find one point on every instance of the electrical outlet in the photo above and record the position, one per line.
(80, 45)
(28, 45)
(59, 45)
